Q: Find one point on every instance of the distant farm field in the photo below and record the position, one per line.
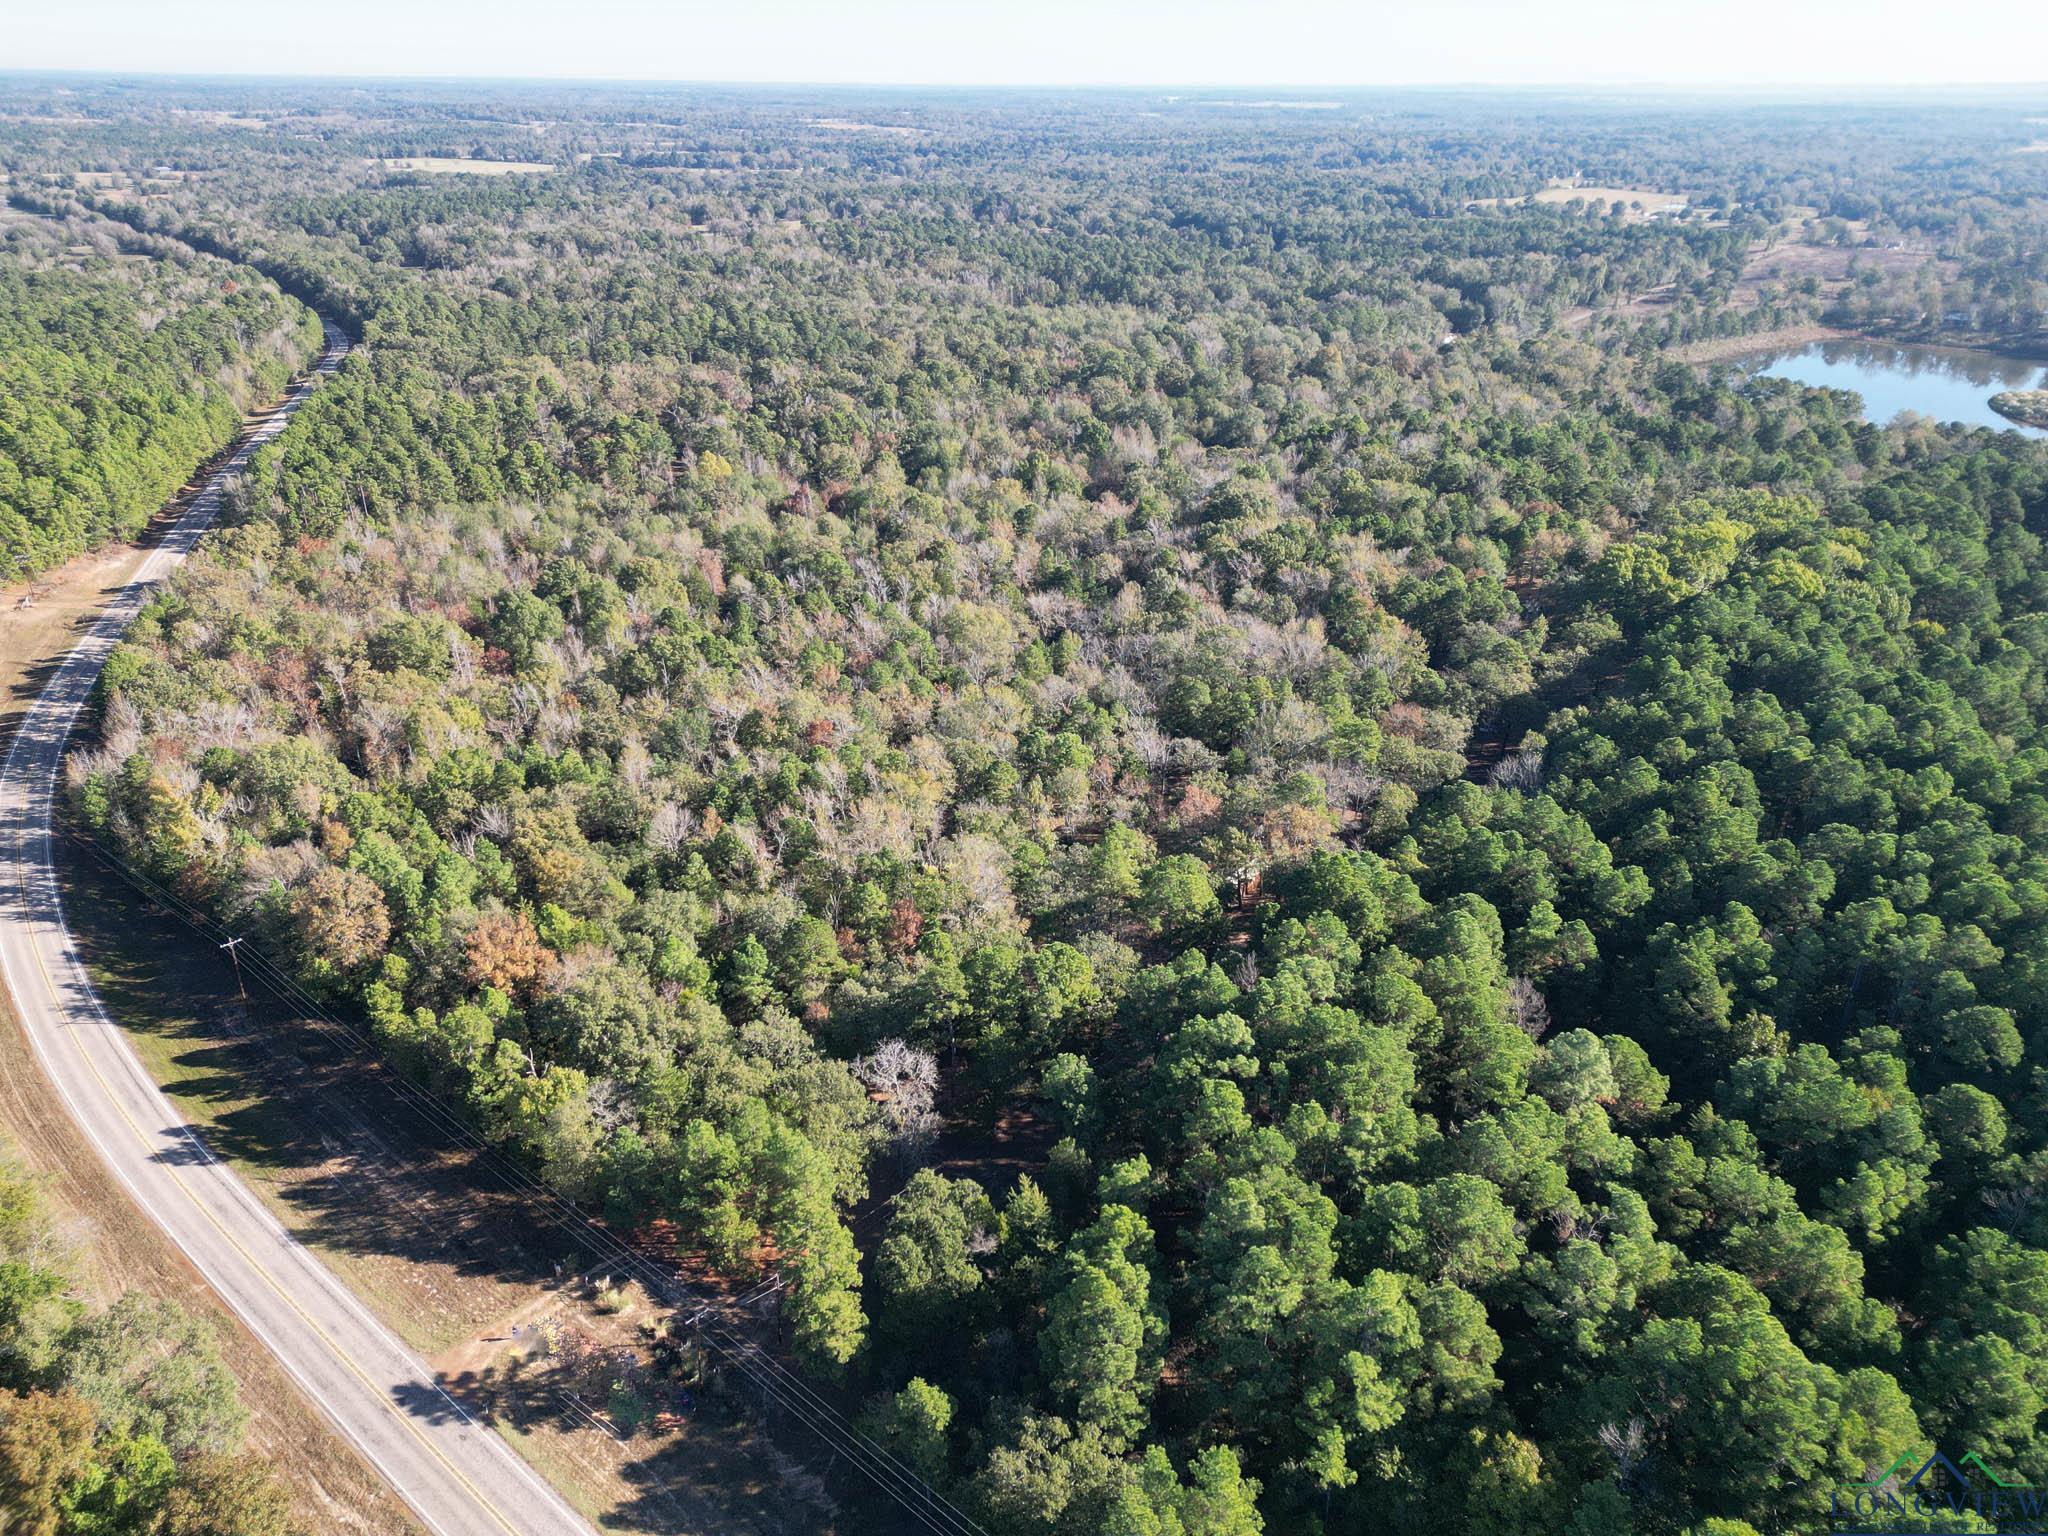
(848, 125)
(444, 165)
(1641, 202)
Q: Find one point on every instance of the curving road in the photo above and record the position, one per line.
(458, 1476)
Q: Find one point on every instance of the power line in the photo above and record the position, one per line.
(776, 1381)
(231, 946)
(918, 1498)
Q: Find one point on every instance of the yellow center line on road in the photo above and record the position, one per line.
(64, 1010)
(234, 1242)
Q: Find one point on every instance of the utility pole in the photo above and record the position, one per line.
(231, 946)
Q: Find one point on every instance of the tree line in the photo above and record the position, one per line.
(119, 374)
(1494, 875)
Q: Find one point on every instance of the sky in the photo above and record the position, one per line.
(1055, 42)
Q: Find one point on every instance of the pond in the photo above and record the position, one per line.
(1947, 383)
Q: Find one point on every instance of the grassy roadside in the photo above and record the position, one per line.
(335, 1493)
(428, 1239)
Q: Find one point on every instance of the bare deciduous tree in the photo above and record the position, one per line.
(1526, 1009)
(1519, 770)
(1628, 1444)
(669, 827)
(906, 1081)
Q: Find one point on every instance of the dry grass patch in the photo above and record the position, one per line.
(848, 125)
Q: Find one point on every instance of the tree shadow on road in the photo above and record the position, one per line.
(361, 1171)
(360, 1168)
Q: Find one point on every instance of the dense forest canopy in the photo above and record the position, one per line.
(1496, 867)
(121, 367)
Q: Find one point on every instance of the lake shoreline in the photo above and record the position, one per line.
(1941, 382)
(1730, 349)
(2023, 407)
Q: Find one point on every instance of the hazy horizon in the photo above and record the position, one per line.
(1788, 90)
(1289, 45)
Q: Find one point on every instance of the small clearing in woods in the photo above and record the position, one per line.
(1794, 259)
(1638, 202)
(221, 119)
(847, 125)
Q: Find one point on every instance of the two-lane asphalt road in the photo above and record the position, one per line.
(458, 1476)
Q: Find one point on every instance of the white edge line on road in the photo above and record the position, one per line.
(172, 549)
